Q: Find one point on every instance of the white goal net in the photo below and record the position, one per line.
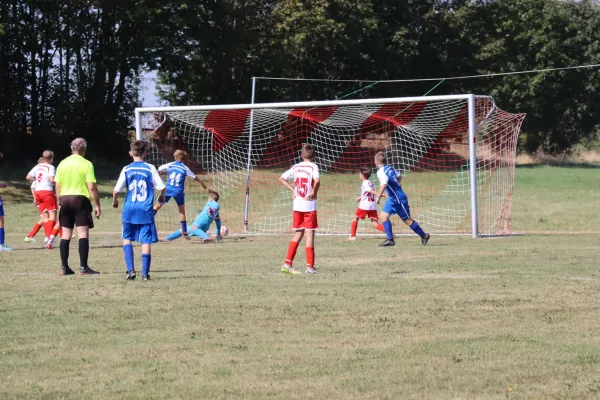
(426, 138)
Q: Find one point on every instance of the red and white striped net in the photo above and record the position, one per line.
(427, 141)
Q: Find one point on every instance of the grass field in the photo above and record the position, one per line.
(514, 317)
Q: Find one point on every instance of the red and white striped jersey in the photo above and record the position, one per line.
(304, 175)
(42, 173)
(367, 199)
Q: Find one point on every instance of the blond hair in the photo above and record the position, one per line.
(381, 158)
(48, 156)
(179, 155)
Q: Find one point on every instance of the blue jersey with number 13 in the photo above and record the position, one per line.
(140, 179)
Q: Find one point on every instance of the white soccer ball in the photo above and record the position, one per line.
(224, 230)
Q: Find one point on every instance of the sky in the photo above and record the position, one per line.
(148, 90)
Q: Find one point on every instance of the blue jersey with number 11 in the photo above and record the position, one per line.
(176, 174)
(140, 179)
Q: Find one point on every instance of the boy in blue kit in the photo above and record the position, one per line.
(397, 202)
(209, 213)
(141, 180)
(176, 172)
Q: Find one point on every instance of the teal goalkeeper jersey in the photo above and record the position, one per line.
(209, 213)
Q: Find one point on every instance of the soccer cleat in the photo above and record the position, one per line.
(288, 269)
(130, 275)
(145, 277)
(387, 243)
(29, 240)
(425, 239)
(87, 271)
(4, 248)
(312, 270)
(66, 271)
(50, 244)
(207, 240)
(46, 240)
(186, 236)
(352, 238)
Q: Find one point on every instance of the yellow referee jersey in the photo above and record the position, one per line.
(73, 174)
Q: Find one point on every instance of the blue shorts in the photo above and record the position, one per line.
(393, 207)
(142, 233)
(179, 199)
(1, 208)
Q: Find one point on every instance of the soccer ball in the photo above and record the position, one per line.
(224, 230)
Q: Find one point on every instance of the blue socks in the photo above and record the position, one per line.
(128, 250)
(200, 233)
(417, 229)
(174, 235)
(387, 225)
(146, 260)
(184, 226)
(1, 236)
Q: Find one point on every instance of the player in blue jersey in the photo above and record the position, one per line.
(397, 202)
(141, 180)
(3, 247)
(176, 172)
(209, 213)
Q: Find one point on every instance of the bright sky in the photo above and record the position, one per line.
(148, 90)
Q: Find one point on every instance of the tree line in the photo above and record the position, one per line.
(73, 68)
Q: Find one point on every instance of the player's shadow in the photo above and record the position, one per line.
(164, 271)
(229, 239)
(73, 245)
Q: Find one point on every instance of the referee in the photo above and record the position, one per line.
(76, 190)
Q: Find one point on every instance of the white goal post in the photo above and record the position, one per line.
(456, 154)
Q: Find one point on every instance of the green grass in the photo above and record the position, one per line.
(515, 317)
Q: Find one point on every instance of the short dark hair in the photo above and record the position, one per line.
(365, 171)
(214, 195)
(308, 152)
(381, 158)
(138, 148)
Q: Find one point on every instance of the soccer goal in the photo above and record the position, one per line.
(456, 154)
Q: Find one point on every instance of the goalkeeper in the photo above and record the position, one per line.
(209, 213)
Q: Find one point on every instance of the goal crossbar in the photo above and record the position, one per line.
(303, 104)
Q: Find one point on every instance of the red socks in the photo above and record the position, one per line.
(353, 228)
(310, 256)
(56, 230)
(291, 253)
(48, 226)
(34, 231)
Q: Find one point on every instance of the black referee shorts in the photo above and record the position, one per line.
(75, 210)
